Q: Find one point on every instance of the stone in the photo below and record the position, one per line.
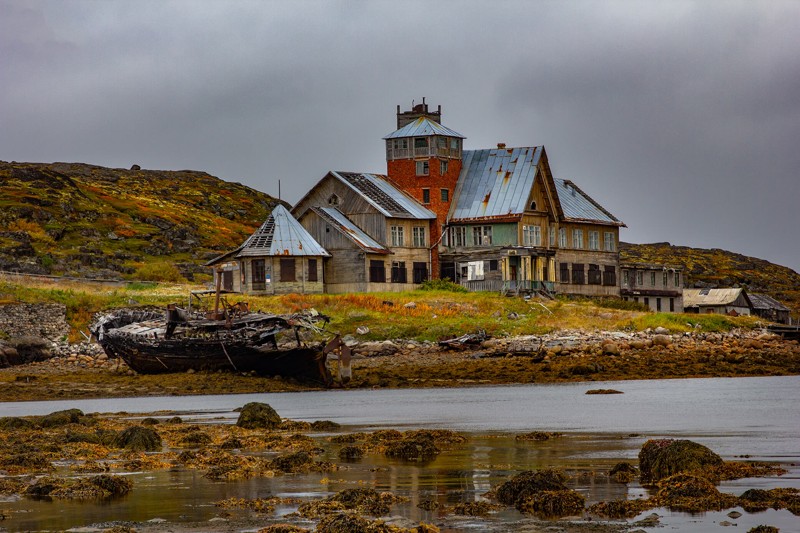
(611, 348)
(410, 305)
(661, 331)
(662, 340)
(362, 330)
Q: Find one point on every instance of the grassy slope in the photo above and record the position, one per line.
(720, 268)
(85, 219)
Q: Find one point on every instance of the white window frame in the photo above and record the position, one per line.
(552, 235)
(422, 168)
(398, 236)
(458, 236)
(577, 239)
(609, 242)
(418, 235)
(562, 237)
(594, 240)
(532, 235)
(482, 235)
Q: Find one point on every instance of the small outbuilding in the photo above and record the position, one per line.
(716, 301)
(280, 257)
(769, 308)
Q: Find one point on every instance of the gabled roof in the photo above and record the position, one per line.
(710, 297)
(383, 196)
(347, 227)
(423, 127)
(762, 301)
(280, 234)
(495, 182)
(580, 207)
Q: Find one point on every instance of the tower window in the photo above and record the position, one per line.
(422, 168)
(442, 167)
(445, 195)
(426, 196)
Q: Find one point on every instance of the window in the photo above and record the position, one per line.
(532, 235)
(652, 279)
(288, 269)
(422, 168)
(594, 240)
(647, 302)
(595, 275)
(610, 276)
(482, 235)
(418, 234)
(552, 235)
(577, 274)
(311, 275)
(577, 239)
(397, 235)
(454, 144)
(639, 278)
(665, 278)
(442, 167)
(458, 236)
(564, 272)
(672, 305)
(258, 275)
(426, 196)
(377, 273)
(399, 274)
(658, 304)
(533, 206)
(562, 237)
(609, 241)
(677, 279)
(445, 195)
(333, 200)
(419, 272)
(420, 142)
(492, 265)
(625, 279)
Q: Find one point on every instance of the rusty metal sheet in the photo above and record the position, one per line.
(423, 127)
(281, 234)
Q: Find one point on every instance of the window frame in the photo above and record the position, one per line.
(609, 242)
(397, 236)
(288, 274)
(577, 239)
(594, 240)
(418, 237)
(426, 196)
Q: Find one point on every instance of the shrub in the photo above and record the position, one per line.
(159, 271)
(443, 284)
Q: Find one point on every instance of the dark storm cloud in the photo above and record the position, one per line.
(680, 117)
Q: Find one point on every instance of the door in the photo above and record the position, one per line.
(227, 280)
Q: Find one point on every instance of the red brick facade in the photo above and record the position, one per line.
(403, 173)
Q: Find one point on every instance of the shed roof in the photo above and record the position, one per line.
(579, 206)
(495, 182)
(347, 227)
(762, 301)
(383, 196)
(281, 234)
(423, 127)
(710, 297)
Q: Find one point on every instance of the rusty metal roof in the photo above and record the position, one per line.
(423, 127)
(710, 297)
(348, 228)
(579, 206)
(384, 196)
(281, 234)
(495, 182)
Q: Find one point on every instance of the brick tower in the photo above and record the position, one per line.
(423, 158)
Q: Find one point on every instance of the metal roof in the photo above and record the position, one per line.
(495, 182)
(710, 297)
(384, 196)
(423, 127)
(762, 301)
(281, 234)
(578, 205)
(348, 228)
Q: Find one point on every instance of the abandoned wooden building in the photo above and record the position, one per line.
(769, 308)
(659, 287)
(732, 302)
(280, 257)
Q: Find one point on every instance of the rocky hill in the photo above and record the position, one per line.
(720, 268)
(83, 220)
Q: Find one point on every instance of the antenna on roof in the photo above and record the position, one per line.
(279, 189)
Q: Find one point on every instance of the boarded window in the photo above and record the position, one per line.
(420, 272)
(578, 277)
(312, 270)
(258, 276)
(595, 276)
(610, 276)
(399, 273)
(288, 269)
(377, 273)
(564, 272)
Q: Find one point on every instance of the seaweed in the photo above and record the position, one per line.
(256, 415)
(659, 459)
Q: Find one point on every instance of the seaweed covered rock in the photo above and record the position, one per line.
(112, 485)
(103, 486)
(9, 423)
(283, 528)
(325, 425)
(256, 415)
(623, 472)
(662, 458)
(139, 439)
(351, 453)
(61, 418)
(417, 447)
(763, 529)
(528, 483)
(344, 523)
(756, 500)
(360, 500)
(684, 492)
(300, 461)
(538, 436)
(478, 508)
(553, 503)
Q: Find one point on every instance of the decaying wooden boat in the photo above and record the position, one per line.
(235, 339)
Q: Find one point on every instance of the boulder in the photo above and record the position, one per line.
(662, 458)
(256, 415)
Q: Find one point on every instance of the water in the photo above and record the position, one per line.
(758, 417)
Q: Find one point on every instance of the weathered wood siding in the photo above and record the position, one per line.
(275, 285)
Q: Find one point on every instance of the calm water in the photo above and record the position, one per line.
(759, 417)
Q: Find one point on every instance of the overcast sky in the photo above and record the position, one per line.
(681, 118)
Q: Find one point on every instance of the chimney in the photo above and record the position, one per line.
(501, 145)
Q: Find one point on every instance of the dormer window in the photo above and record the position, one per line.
(333, 200)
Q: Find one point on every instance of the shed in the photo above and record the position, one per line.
(720, 301)
(769, 308)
